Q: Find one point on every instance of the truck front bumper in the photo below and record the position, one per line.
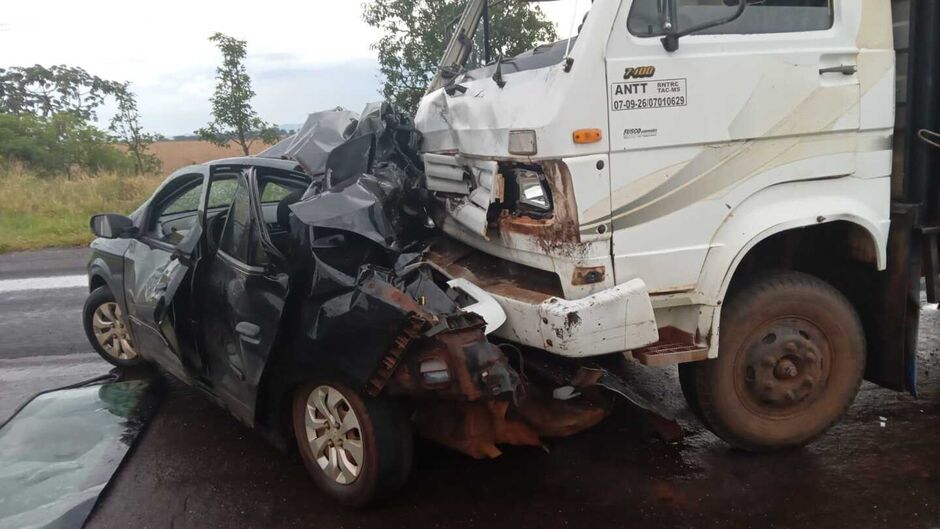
(613, 320)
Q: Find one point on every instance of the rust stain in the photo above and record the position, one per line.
(561, 234)
(588, 275)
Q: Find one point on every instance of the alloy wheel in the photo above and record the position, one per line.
(111, 332)
(334, 434)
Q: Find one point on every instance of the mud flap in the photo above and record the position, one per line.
(661, 419)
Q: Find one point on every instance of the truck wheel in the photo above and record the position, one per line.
(687, 384)
(357, 449)
(107, 329)
(790, 362)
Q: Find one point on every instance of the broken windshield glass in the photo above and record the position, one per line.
(59, 452)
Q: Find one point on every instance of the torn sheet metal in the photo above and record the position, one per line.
(58, 453)
(311, 145)
(476, 183)
(372, 182)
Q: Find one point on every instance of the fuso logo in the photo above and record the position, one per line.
(640, 72)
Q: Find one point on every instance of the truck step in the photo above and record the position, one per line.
(667, 353)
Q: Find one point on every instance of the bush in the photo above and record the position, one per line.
(59, 145)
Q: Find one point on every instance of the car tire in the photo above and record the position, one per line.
(107, 329)
(790, 362)
(354, 461)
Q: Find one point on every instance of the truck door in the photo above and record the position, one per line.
(768, 97)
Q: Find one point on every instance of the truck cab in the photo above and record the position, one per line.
(617, 190)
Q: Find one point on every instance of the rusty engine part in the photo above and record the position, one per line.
(477, 427)
(467, 366)
(474, 400)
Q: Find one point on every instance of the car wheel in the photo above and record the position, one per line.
(790, 361)
(357, 449)
(107, 329)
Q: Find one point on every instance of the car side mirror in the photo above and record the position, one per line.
(113, 226)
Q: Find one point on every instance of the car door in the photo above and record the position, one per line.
(769, 97)
(156, 271)
(243, 287)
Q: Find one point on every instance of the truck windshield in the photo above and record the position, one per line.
(566, 16)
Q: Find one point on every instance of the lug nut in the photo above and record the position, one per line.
(791, 395)
(768, 361)
(791, 347)
(785, 369)
(808, 382)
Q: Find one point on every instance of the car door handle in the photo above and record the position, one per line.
(844, 69)
(248, 329)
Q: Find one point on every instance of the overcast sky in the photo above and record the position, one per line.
(303, 56)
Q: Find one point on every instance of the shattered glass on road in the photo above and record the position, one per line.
(59, 452)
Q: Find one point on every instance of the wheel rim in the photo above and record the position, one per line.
(334, 434)
(785, 367)
(111, 332)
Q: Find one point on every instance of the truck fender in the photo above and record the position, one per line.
(777, 209)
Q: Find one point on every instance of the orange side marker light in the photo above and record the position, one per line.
(587, 135)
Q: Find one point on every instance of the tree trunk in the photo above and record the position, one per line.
(242, 141)
(139, 169)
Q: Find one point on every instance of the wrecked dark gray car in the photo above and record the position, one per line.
(296, 289)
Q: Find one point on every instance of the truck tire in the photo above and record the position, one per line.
(357, 449)
(687, 384)
(790, 361)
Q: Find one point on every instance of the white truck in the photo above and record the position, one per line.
(724, 185)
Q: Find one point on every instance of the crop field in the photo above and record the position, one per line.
(38, 212)
(176, 154)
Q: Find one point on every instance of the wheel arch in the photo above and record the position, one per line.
(725, 270)
(96, 280)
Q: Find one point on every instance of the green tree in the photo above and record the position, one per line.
(47, 115)
(233, 118)
(45, 91)
(415, 34)
(126, 129)
(59, 144)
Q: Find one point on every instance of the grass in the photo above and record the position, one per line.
(47, 212)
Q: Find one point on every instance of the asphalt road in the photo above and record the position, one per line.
(196, 467)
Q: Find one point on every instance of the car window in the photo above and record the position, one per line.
(275, 192)
(173, 217)
(765, 16)
(188, 201)
(240, 237)
(222, 192)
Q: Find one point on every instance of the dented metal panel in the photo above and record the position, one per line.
(617, 319)
(454, 175)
